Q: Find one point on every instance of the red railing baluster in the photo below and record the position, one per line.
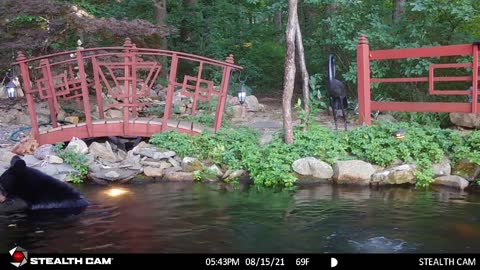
(197, 89)
(98, 87)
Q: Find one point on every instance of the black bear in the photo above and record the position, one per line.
(39, 190)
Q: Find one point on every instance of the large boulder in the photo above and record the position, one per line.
(453, 181)
(311, 166)
(442, 168)
(470, 120)
(466, 169)
(106, 176)
(352, 172)
(397, 175)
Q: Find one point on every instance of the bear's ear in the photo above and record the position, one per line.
(17, 163)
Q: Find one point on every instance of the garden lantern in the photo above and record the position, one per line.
(11, 89)
(242, 95)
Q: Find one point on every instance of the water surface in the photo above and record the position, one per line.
(200, 218)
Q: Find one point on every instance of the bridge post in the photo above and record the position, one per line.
(126, 84)
(363, 81)
(223, 93)
(51, 98)
(86, 100)
(172, 77)
(27, 87)
(475, 78)
(133, 60)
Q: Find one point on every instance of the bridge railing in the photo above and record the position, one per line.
(94, 77)
(364, 60)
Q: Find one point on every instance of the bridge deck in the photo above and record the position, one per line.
(141, 126)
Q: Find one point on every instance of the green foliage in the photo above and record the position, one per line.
(77, 161)
(425, 119)
(270, 165)
(468, 148)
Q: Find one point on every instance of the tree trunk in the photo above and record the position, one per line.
(186, 31)
(398, 10)
(277, 25)
(289, 76)
(304, 72)
(160, 11)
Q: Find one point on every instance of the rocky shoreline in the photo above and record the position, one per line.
(107, 164)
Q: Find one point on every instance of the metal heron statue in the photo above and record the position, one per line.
(337, 92)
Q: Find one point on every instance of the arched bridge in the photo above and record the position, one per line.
(121, 79)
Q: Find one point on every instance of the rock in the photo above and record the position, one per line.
(311, 166)
(235, 174)
(113, 114)
(103, 152)
(467, 170)
(454, 181)
(190, 164)
(105, 176)
(471, 120)
(397, 175)
(442, 168)
(77, 145)
(112, 174)
(151, 151)
(153, 171)
(59, 171)
(121, 155)
(261, 107)
(43, 151)
(61, 115)
(175, 164)
(156, 164)
(6, 155)
(352, 171)
(72, 119)
(27, 145)
(251, 102)
(232, 100)
(237, 111)
(52, 159)
(216, 170)
(172, 175)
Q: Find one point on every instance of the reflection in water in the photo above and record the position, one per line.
(199, 218)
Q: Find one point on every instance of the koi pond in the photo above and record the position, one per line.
(211, 218)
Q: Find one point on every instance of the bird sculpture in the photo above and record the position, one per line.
(337, 93)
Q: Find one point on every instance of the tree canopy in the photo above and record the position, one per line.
(252, 30)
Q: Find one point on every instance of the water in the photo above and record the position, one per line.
(200, 218)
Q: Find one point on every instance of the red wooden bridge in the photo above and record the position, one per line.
(365, 56)
(126, 74)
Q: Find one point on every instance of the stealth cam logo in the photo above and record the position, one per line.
(19, 256)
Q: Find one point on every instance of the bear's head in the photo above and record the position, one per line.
(8, 180)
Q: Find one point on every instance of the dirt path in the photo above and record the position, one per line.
(271, 121)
